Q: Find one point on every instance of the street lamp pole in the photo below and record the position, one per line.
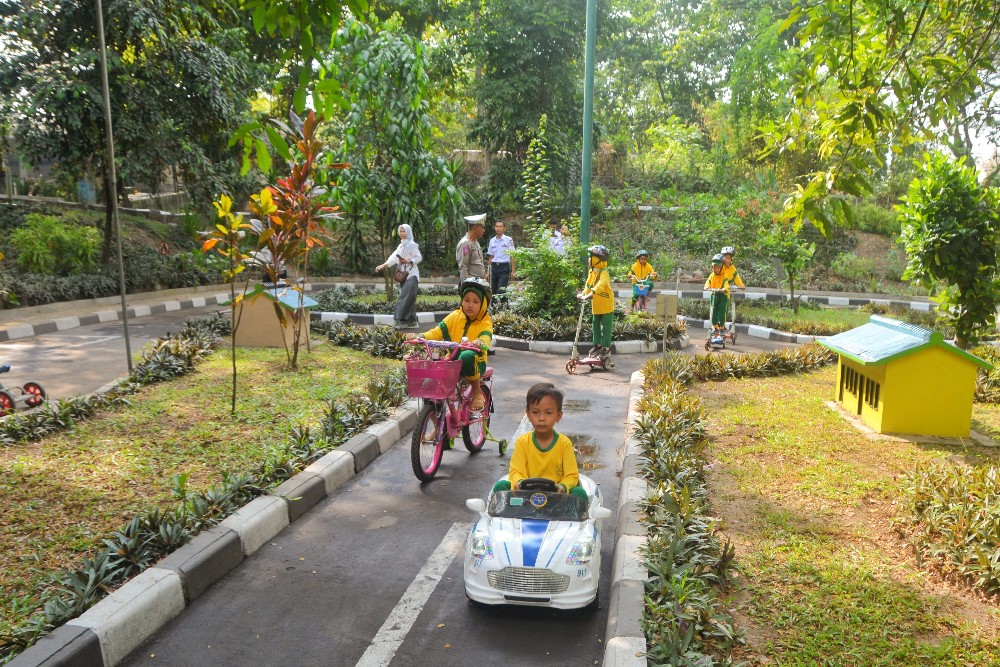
(588, 123)
(111, 176)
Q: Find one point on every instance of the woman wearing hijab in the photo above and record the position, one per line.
(406, 256)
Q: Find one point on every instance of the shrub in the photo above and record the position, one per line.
(949, 517)
(849, 266)
(874, 219)
(45, 244)
(550, 281)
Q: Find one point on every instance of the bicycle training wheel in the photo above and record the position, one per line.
(427, 444)
(37, 394)
(6, 403)
(474, 434)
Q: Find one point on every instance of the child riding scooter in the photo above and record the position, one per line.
(642, 276)
(718, 284)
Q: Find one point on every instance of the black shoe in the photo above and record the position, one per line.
(593, 351)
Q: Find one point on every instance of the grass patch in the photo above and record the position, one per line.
(809, 502)
(61, 494)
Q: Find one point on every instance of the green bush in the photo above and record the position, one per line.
(849, 266)
(549, 281)
(45, 244)
(875, 219)
(950, 518)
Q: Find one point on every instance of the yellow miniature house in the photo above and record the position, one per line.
(903, 378)
(259, 325)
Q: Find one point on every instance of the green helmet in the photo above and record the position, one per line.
(477, 285)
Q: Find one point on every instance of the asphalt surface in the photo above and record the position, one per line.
(83, 359)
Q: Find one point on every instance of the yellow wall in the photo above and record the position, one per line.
(854, 401)
(259, 325)
(929, 392)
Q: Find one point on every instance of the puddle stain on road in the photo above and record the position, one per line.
(585, 449)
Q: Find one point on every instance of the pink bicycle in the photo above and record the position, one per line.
(447, 405)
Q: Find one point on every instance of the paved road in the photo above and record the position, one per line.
(81, 360)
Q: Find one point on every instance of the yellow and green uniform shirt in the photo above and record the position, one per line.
(599, 284)
(640, 272)
(717, 281)
(456, 326)
(557, 462)
(729, 272)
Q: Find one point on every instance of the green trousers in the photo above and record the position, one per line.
(602, 329)
(720, 308)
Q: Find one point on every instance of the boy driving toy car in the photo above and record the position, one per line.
(544, 452)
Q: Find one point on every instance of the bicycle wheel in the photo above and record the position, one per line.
(426, 446)
(6, 403)
(474, 434)
(37, 394)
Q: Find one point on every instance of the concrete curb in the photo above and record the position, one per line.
(625, 642)
(109, 315)
(110, 630)
(755, 331)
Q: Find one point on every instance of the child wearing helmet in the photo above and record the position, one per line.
(729, 269)
(719, 300)
(602, 307)
(642, 274)
(470, 320)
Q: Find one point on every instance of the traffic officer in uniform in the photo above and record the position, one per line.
(468, 253)
(501, 263)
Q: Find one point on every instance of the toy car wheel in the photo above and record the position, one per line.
(571, 367)
(6, 403)
(708, 346)
(37, 394)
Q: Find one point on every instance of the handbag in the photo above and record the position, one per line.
(400, 275)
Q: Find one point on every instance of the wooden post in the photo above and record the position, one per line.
(666, 311)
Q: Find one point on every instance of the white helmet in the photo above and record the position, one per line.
(727, 250)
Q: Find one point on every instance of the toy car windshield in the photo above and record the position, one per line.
(540, 505)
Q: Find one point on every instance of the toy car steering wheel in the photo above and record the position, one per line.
(539, 484)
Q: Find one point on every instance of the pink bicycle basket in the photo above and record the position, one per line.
(431, 379)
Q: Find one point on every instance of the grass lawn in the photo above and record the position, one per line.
(422, 299)
(63, 493)
(808, 501)
(843, 317)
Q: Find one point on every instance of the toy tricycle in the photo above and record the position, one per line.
(31, 394)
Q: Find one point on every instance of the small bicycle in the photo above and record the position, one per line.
(31, 394)
(642, 290)
(447, 405)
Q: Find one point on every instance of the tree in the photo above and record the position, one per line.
(950, 230)
(536, 178)
(786, 244)
(394, 178)
(880, 76)
(226, 239)
(179, 82)
(289, 216)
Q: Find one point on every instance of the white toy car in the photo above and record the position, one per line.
(536, 547)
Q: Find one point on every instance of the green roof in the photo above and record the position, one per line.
(284, 294)
(882, 340)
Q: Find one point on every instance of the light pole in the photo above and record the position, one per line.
(112, 178)
(588, 123)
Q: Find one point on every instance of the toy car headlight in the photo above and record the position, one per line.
(582, 551)
(481, 546)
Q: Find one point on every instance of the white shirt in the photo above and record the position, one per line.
(556, 243)
(499, 249)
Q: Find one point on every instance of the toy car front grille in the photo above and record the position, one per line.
(528, 580)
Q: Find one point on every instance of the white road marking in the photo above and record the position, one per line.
(522, 428)
(101, 339)
(392, 633)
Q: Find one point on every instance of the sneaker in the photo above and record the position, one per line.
(605, 352)
(593, 351)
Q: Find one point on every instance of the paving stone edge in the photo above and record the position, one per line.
(625, 642)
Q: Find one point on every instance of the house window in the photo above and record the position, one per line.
(871, 393)
(851, 380)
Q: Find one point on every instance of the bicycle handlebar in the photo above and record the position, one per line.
(447, 344)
